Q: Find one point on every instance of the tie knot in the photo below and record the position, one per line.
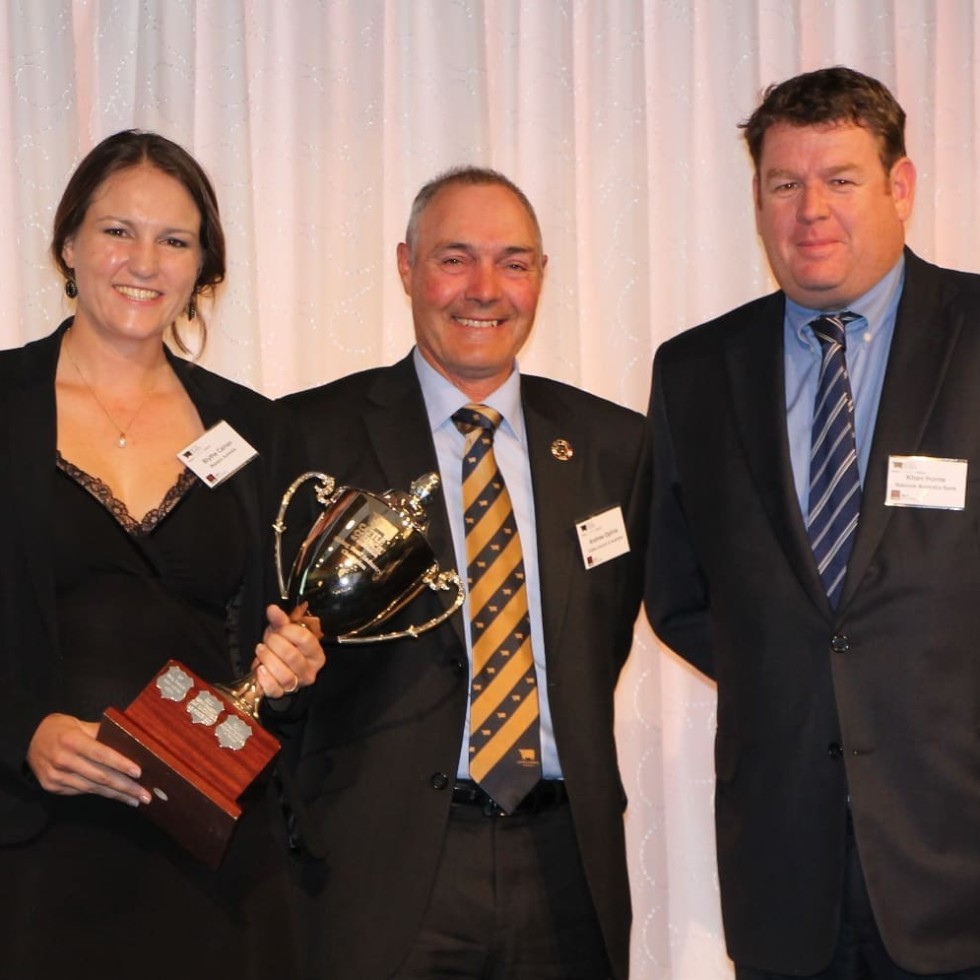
(830, 328)
(471, 417)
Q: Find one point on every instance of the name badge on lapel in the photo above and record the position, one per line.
(926, 481)
(219, 453)
(602, 537)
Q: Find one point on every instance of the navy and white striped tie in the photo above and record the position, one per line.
(835, 485)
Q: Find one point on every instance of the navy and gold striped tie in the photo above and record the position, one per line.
(504, 749)
(835, 484)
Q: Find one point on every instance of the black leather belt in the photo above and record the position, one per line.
(548, 794)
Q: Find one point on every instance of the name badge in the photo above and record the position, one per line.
(602, 537)
(218, 454)
(925, 481)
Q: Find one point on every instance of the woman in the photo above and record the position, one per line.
(117, 558)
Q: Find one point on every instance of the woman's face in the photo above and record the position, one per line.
(136, 254)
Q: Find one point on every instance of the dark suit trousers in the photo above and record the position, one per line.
(510, 900)
(860, 953)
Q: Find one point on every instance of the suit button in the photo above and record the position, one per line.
(839, 643)
(457, 665)
(835, 750)
(439, 780)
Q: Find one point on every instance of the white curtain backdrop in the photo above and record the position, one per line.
(319, 119)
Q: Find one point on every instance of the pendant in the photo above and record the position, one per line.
(121, 441)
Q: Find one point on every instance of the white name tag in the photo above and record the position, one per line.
(218, 454)
(602, 537)
(925, 481)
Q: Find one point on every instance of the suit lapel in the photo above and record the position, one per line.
(757, 375)
(556, 498)
(398, 428)
(32, 448)
(214, 403)
(925, 336)
(210, 406)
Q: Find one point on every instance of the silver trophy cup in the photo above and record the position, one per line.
(364, 559)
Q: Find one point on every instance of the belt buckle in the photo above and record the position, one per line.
(492, 809)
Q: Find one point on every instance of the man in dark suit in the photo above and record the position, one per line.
(423, 871)
(827, 575)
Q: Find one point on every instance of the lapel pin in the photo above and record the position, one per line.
(562, 450)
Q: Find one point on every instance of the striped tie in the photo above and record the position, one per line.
(835, 485)
(505, 752)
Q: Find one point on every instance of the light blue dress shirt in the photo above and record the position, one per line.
(869, 340)
(442, 400)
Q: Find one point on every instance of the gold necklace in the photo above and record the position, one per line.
(122, 441)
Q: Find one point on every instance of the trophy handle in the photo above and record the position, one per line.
(327, 484)
(435, 580)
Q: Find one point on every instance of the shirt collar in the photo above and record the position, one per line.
(443, 398)
(873, 308)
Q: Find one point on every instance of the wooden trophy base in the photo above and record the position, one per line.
(198, 753)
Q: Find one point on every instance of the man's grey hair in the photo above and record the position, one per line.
(468, 176)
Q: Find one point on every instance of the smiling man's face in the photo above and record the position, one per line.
(474, 274)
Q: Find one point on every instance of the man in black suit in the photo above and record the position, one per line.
(848, 743)
(424, 872)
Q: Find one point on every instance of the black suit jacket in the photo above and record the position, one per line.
(880, 699)
(381, 745)
(30, 648)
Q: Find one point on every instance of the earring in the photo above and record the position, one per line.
(191, 309)
(71, 290)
